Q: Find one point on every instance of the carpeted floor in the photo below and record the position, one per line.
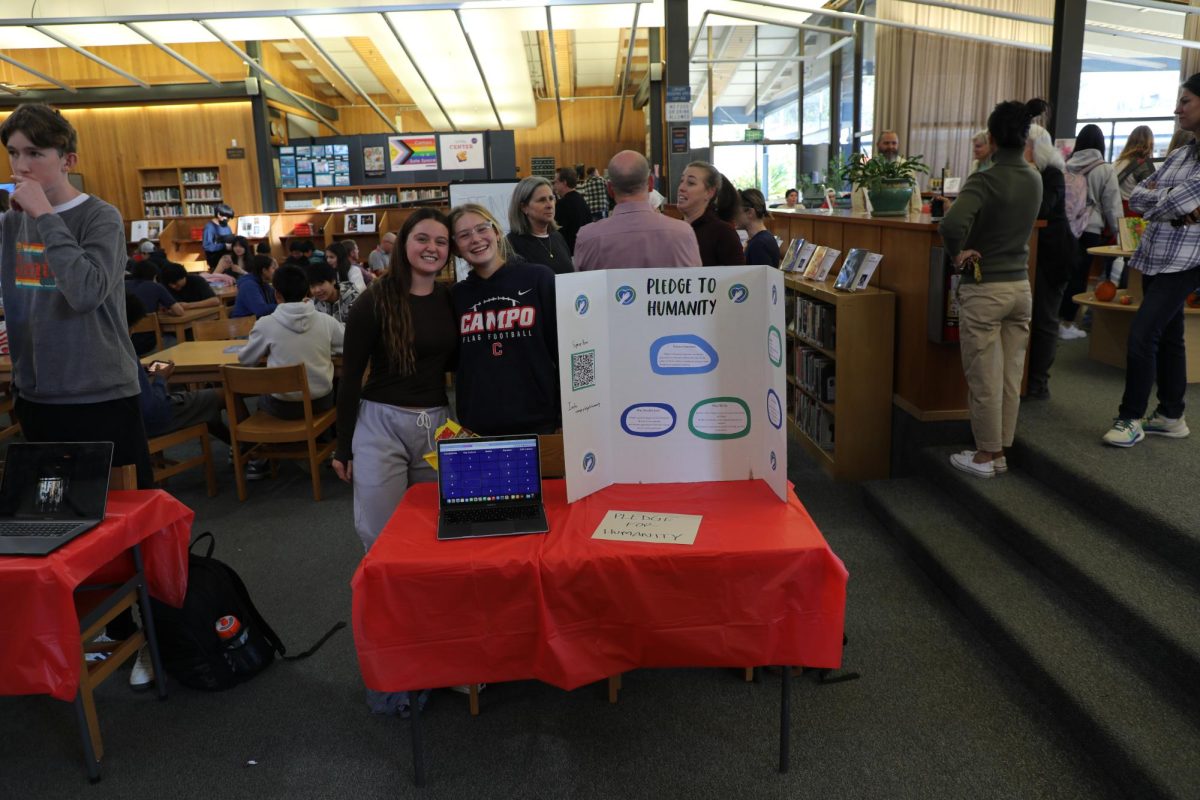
(935, 715)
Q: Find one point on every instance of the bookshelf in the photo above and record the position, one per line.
(171, 192)
(349, 198)
(844, 423)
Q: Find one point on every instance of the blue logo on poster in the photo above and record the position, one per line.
(625, 295)
(774, 295)
(589, 462)
(773, 461)
(581, 305)
(738, 293)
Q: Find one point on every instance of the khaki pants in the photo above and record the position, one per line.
(993, 336)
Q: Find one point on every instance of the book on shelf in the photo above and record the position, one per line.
(788, 261)
(814, 263)
(849, 271)
(815, 421)
(826, 266)
(815, 322)
(803, 256)
(865, 271)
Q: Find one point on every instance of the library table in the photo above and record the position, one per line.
(759, 586)
(181, 326)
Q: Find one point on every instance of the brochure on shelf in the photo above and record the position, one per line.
(671, 376)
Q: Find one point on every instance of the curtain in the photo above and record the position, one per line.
(936, 91)
(1189, 59)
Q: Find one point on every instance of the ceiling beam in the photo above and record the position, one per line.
(718, 51)
(42, 75)
(90, 56)
(353, 85)
(417, 68)
(628, 62)
(378, 65)
(172, 53)
(764, 88)
(323, 66)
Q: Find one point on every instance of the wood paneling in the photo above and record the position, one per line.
(287, 74)
(362, 119)
(591, 131)
(115, 142)
(146, 62)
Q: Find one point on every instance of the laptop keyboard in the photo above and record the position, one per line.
(491, 514)
(37, 528)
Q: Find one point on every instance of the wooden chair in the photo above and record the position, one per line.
(229, 328)
(270, 434)
(150, 324)
(165, 468)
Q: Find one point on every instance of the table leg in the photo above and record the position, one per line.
(785, 718)
(473, 698)
(160, 677)
(418, 754)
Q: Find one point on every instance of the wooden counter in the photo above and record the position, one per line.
(928, 377)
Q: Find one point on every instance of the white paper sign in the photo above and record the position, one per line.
(461, 151)
(649, 527)
(672, 376)
(679, 112)
(254, 226)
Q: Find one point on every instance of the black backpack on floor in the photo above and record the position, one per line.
(192, 652)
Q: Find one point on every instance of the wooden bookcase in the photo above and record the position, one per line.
(365, 197)
(862, 354)
(172, 192)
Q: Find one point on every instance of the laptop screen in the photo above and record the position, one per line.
(56, 481)
(489, 470)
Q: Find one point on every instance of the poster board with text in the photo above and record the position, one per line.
(672, 376)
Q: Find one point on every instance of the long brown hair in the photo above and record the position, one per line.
(391, 291)
(1140, 144)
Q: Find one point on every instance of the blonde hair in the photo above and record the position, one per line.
(1139, 145)
(503, 248)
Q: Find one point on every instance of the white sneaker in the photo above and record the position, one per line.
(141, 677)
(101, 656)
(965, 461)
(1124, 433)
(1165, 426)
(1068, 332)
(1000, 465)
(466, 688)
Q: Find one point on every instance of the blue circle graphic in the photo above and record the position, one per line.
(738, 293)
(589, 462)
(625, 295)
(581, 305)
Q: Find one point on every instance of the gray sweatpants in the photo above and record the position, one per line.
(389, 448)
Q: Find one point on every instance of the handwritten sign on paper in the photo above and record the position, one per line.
(648, 526)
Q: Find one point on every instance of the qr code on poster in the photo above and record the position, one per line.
(583, 370)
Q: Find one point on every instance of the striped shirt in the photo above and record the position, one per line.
(1167, 195)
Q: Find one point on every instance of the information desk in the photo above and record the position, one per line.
(759, 586)
(39, 626)
(928, 377)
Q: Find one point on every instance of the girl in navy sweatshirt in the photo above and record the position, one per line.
(507, 380)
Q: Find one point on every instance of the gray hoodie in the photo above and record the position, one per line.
(1104, 193)
(296, 333)
(63, 280)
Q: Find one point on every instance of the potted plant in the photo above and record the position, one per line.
(889, 183)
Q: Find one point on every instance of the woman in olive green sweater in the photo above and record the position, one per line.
(994, 298)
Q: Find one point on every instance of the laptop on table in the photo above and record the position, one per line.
(51, 493)
(490, 486)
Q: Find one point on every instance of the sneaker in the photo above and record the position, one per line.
(405, 709)
(466, 688)
(965, 461)
(1125, 433)
(257, 470)
(101, 656)
(1068, 332)
(1165, 426)
(141, 677)
(1000, 465)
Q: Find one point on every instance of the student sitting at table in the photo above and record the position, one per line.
(301, 253)
(145, 287)
(295, 333)
(255, 294)
(337, 255)
(330, 294)
(189, 288)
(236, 262)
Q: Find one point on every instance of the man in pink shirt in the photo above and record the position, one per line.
(634, 235)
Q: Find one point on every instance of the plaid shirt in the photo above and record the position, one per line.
(1167, 195)
(595, 193)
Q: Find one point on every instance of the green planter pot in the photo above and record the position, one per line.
(890, 199)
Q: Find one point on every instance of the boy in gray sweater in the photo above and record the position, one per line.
(62, 259)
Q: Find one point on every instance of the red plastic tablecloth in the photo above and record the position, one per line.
(758, 586)
(40, 650)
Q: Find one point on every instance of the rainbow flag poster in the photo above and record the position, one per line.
(409, 153)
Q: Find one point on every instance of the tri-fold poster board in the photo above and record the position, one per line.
(672, 376)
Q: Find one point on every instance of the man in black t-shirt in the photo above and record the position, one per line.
(190, 289)
(571, 212)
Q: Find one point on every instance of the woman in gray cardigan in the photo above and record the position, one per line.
(994, 298)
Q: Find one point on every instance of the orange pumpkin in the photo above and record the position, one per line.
(1106, 291)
